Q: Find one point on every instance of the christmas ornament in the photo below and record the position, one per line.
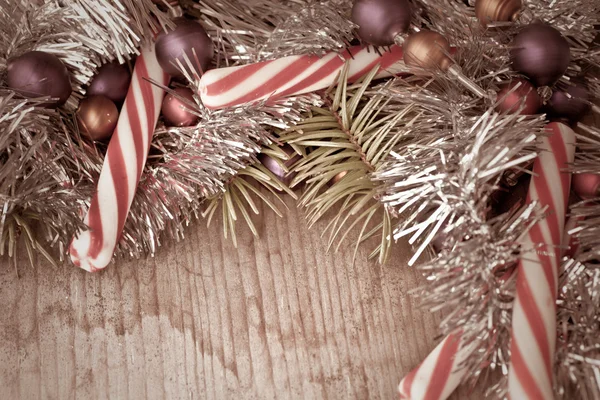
(516, 94)
(275, 166)
(586, 185)
(92, 249)
(288, 76)
(112, 81)
(571, 103)
(175, 108)
(39, 74)
(97, 117)
(430, 50)
(423, 156)
(189, 39)
(336, 179)
(570, 242)
(534, 315)
(427, 49)
(540, 52)
(381, 21)
(497, 10)
(507, 197)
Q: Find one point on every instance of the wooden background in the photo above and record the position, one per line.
(275, 318)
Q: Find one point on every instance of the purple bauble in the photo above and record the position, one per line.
(112, 81)
(187, 35)
(39, 74)
(380, 21)
(540, 52)
(175, 110)
(571, 103)
(275, 167)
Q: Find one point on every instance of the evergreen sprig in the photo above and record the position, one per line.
(346, 141)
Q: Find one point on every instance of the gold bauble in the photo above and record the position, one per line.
(497, 10)
(427, 49)
(97, 117)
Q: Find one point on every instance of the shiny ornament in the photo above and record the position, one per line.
(275, 167)
(507, 199)
(380, 21)
(338, 177)
(586, 185)
(572, 103)
(511, 99)
(427, 49)
(430, 50)
(175, 110)
(497, 10)
(540, 52)
(189, 37)
(39, 74)
(97, 117)
(112, 81)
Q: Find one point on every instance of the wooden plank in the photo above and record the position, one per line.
(278, 317)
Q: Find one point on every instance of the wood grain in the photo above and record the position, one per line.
(277, 317)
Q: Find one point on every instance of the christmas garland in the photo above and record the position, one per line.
(447, 122)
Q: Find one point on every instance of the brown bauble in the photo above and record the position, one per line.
(525, 94)
(97, 117)
(497, 10)
(338, 177)
(428, 50)
(39, 74)
(175, 108)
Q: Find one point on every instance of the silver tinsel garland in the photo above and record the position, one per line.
(451, 153)
(441, 182)
(578, 347)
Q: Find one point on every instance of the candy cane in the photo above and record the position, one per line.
(533, 337)
(439, 374)
(92, 249)
(234, 86)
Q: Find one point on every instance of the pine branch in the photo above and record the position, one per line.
(345, 142)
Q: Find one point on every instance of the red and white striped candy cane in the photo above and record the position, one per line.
(93, 248)
(533, 338)
(439, 374)
(234, 86)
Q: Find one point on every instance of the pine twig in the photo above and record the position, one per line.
(345, 143)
